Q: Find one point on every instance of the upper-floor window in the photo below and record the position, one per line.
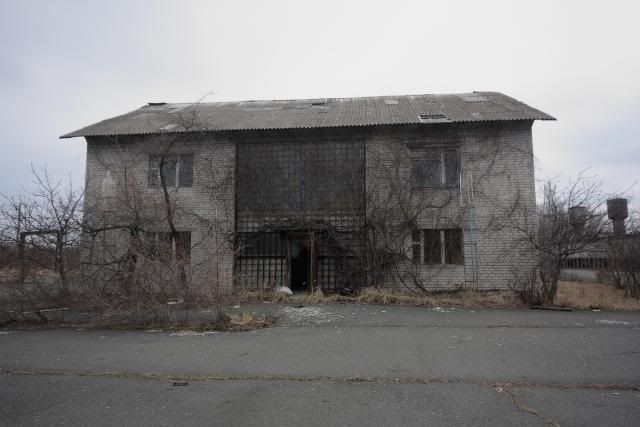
(178, 170)
(434, 167)
(438, 246)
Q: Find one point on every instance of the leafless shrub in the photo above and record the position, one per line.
(526, 286)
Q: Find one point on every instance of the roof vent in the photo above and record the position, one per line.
(157, 104)
(317, 104)
(391, 101)
(433, 118)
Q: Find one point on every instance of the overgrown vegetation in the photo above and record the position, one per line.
(572, 222)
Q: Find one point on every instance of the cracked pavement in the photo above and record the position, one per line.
(334, 365)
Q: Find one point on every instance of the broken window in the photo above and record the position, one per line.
(434, 168)
(440, 246)
(177, 170)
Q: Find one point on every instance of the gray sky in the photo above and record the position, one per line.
(67, 64)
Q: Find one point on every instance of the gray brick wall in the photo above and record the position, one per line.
(206, 209)
(496, 162)
(496, 168)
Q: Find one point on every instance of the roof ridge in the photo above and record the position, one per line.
(329, 98)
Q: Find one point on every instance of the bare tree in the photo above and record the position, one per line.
(568, 223)
(42, 225)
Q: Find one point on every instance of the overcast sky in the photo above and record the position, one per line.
(67, 64)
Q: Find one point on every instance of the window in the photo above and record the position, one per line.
(438, 246)
(178, 171)
(434, 167)
(416, 246)
(432, 245)
(161, 248)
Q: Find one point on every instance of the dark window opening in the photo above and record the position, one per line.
(177, 170)
(440, 246)
(434, 168)
(432, 252)
(415, 245)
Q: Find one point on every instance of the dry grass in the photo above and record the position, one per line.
(578, 295)
(461, 298)
(585, 295)
(457, 298)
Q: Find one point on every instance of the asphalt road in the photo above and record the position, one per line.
(334, 365)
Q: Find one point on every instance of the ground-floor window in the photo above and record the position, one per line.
(160, 246)
(437, 246)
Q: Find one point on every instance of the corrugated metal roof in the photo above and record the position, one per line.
(314, 113)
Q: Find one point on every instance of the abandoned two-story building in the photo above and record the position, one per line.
(401, 191)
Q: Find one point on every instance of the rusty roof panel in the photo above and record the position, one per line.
(313, 113)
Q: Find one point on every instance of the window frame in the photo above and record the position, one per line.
(420, 156)
(176, 181)
(435, 248)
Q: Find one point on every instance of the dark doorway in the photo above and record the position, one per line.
(299, 266)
